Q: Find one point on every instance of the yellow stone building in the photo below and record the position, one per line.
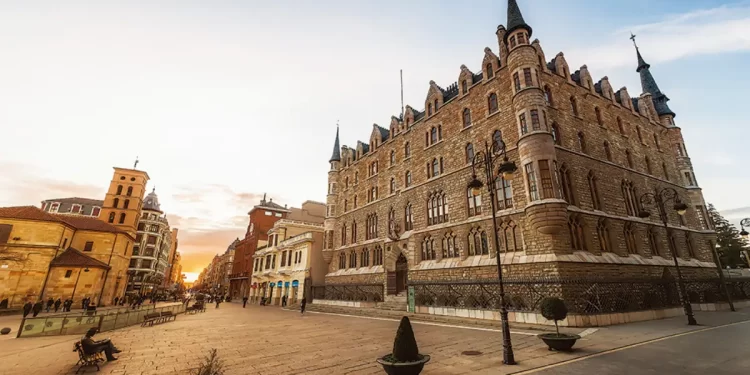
(292, 260)
(46, 255)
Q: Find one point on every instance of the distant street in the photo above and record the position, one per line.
(718, 351)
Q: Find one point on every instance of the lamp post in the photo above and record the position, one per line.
(659, 199)
(719, 268)
(486, 159)
(76, 286)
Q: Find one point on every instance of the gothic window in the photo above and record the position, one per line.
(437, 208)
(546, 179)
(429, 109)
(372, 227)
(577, 238)
(629, 158)
(653, 242)
(512, 41)
(689, 245)
(408, 217)
(111, 217)
(450, 250)
(574, 106)
(436, 167)
(527, 77)
(504, 193)
(664, 170)
(467, 117)
(490, 73)
(464, 87)
(556, 134)
(629, 193)
(428, 248)
(474, 203)
(630, 243)
(548, 95)
(365, 258)
(126, 203)
(620, 126)
(516, 81)
(594, 189)
(607, 151)
(343, 235)
(492, 103)
(477, 241)
(122, 218)
(393, 157)
(497, 139)
(566, 182)
(393, 185)
(354, 231)
(342, 261)
(512, 236)
(436, 105)
(602, 231)
(522, 122)
(377, 256)
(353, 259)
(648, 165)
(407, 150)
(116, 202)
(407, 179)
(582, 142)
(469, 153)
(535, 120)
(598, 113)
(119, 190)
(433, 135)
(656, 142)
(531, 179)
(130, 191)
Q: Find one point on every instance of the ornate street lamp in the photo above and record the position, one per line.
(744, 223)
(659, 200)
(717, 259)
(486, 159)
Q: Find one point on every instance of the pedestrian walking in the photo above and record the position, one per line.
(283, 301)
(50, 302)
(302, 306)
(38, 307)
(67, 304)
(58, 302)
(218, 301)
(244, 301)
(116, 299)
(27, 308)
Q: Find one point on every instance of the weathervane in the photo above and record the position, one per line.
(136, 163)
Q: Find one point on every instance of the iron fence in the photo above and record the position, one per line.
(78, 324)
(349, 292)
(582, 296)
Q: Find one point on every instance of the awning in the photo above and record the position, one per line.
(295, 284)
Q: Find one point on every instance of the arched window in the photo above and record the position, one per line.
(574, 106)
(477, 241)
(629, 158)
(378, 256)
(353, 259)
(354, 231)
(435, 167)
(343, 235)
(342, 261)
(582, 142)
(556, 134)
(594, 189)
(548, 95)
(607, 151)
(371, 231)
(119, 190)
(653, 242)
(577, 238)
(620, 127)
(598, 113)
(393, 185)
(450, 250)
(122, 218)
(602, 231)
(497, 139)
(126, 203)
(474, 203)
(393, 157)
(429, 109)
(504, 193)
(567, 185)
(440, 132)
(467, 117)
(630, 196)
(689, 245)
(638, 132)
(512, 236)
(469, 153)
(492, 103)
(428, 248)
(407, 179)
(437, 208)
(464, 87)
(130, 191)
(436, 105)
(364, 258)
(407, 151)
(433, 135)
(111, 217)
(408, 217)
(630, 243)
(490, 72)
(648, 165)
(116, 202)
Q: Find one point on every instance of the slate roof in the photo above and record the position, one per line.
(336, 156)
(27, 213)
(151, 202)
(74, 258)
(384, 133)
(75, 221)
(648, 84)
(88, 223)
(515, 19)
(78, 200)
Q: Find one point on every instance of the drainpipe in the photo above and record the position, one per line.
(106, 272)
(49, 266)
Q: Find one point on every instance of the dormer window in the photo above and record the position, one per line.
(521, 38)
(429, 109)
(464, 87)
(76, 208)
(436, 105)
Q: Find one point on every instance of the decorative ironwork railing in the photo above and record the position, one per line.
(581, 296)
(349, 292)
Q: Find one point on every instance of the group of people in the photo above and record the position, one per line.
(52, 304)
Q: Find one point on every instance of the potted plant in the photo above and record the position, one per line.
(553, 308)
(405, 359)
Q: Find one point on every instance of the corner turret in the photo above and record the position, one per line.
(648, 84)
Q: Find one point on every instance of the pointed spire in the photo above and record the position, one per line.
(336, 148)
(648, 84)
(515, 19)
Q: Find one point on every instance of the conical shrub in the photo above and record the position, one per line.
(405, 345)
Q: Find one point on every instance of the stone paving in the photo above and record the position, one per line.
(269, 340)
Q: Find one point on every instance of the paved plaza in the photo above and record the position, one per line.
(269, 340)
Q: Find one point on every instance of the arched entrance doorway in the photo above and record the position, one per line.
(402, 273)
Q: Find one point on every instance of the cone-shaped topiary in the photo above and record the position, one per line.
(554, 308)
(405, 345)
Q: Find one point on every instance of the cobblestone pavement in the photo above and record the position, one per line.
(268, 340)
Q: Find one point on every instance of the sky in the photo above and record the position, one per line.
(223, 101)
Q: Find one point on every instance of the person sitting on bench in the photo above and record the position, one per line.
(92, 347)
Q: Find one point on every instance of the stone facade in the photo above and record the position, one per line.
(585, 154)
(149, 265)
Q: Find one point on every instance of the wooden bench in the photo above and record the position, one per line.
(196, 308)
(150, 319)
(167, 315)
(85, 360)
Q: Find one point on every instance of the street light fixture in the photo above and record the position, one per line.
(744, 223)
(659, 199)
(719, 268)
(486, 159)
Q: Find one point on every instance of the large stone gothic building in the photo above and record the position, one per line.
(399, 209)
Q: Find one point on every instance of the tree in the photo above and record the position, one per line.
(729, 240)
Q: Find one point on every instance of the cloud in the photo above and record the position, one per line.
(23, 185)
(705, 31)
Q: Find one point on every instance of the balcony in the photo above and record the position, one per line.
(296, 239)
(239, 275)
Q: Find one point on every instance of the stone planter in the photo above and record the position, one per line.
(403, 368)
(560, 342)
